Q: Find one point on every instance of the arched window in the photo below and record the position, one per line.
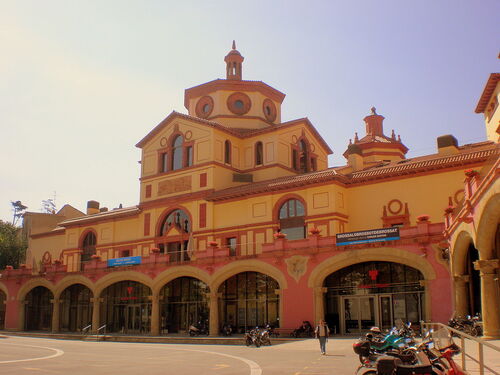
(227, 152)
(177, 153)
(258, 153)
(88, 247)
(291, 218)
(303, 165)
(177, 245)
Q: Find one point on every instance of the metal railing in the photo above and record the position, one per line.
(85, 330)
(480, 342)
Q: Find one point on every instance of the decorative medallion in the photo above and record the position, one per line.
(269, 109)
(47, 258)
(188, 135)
(163, 142)
(395, 206)
(204, 107)
(294, 139)
(296, 266)
(239, 103)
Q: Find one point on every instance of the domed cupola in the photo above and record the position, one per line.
(234, 62)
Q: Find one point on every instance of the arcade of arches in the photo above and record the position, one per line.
(243, 300)
(357, 297)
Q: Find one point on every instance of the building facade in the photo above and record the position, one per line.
(241, 221)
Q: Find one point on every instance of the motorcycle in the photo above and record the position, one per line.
(227, 330)
(265, 335)
(200, 328)
(433, 356)
(305, 330)
(469, 325)
(253, 337)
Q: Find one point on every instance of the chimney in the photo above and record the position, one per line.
(354, 157)
(92, 207)
(447, 145)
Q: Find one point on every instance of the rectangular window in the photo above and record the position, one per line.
(164, 162)
(189, 156)
(203, 180)
(313, 164)
(231, 244)
(203, 215)
(147, 224)
(148, 191)
(124, 253)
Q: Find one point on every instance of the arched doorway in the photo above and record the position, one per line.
(373, 293)
(126, 307)
(184, 301)
(474, 284)
(76, 308)
(3, 299)
(248, 300)
(38, 312)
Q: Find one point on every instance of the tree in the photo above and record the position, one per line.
(18, 209)
(12, 246)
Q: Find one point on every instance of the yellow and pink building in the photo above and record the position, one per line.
(241, 221)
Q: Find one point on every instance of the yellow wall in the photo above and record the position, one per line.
(492, 116)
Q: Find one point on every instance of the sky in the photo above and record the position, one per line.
(81, 82)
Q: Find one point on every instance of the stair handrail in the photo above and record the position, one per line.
(85, 330)
(480, 342)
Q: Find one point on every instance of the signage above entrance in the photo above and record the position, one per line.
(365, 236)
(125, 261)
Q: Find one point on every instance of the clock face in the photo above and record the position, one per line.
(269, 109)
(239, 103)
(204, 107)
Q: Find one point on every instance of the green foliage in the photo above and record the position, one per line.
(12, 246)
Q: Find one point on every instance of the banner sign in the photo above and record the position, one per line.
(126, 261)
(365, 236)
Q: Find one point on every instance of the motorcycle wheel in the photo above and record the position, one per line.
(257, 343)
(248, 342)
(192, 333)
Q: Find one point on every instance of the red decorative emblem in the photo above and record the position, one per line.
(373, 274)
(130, 289)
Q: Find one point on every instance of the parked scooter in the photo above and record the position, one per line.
(433, 356)
(253, 337)
(199, 328)
(227, 330)
(469, 325)
(305, 330)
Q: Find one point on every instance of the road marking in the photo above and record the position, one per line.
(254, 367)
(57, 354)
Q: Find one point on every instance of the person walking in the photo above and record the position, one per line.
(322, 332)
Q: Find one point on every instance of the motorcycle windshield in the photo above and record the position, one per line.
(441, 338)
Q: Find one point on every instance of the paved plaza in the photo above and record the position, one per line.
(26, 355)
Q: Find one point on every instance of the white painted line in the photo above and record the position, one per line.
(254, 367)
(58, 353)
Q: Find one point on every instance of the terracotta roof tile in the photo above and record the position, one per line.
(488, 90)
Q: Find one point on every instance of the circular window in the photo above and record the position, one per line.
(239, 103)
(269, 109)
(204, 107)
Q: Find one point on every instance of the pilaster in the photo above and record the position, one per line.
(489, 297)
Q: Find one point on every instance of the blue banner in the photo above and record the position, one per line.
(366, 236)
(126, 261)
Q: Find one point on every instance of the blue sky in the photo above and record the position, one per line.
(83, 81)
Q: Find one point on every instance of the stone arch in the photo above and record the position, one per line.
(345, 259)
(459, 252)
(121, 276)
(4, 289)
(175, 272)
(26, 288)
(386, 254)
(72, 280)
(486, 230)
(168, 211)
(251, 265)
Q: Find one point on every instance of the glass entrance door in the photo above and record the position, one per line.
(359, 314)
(385, 305)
